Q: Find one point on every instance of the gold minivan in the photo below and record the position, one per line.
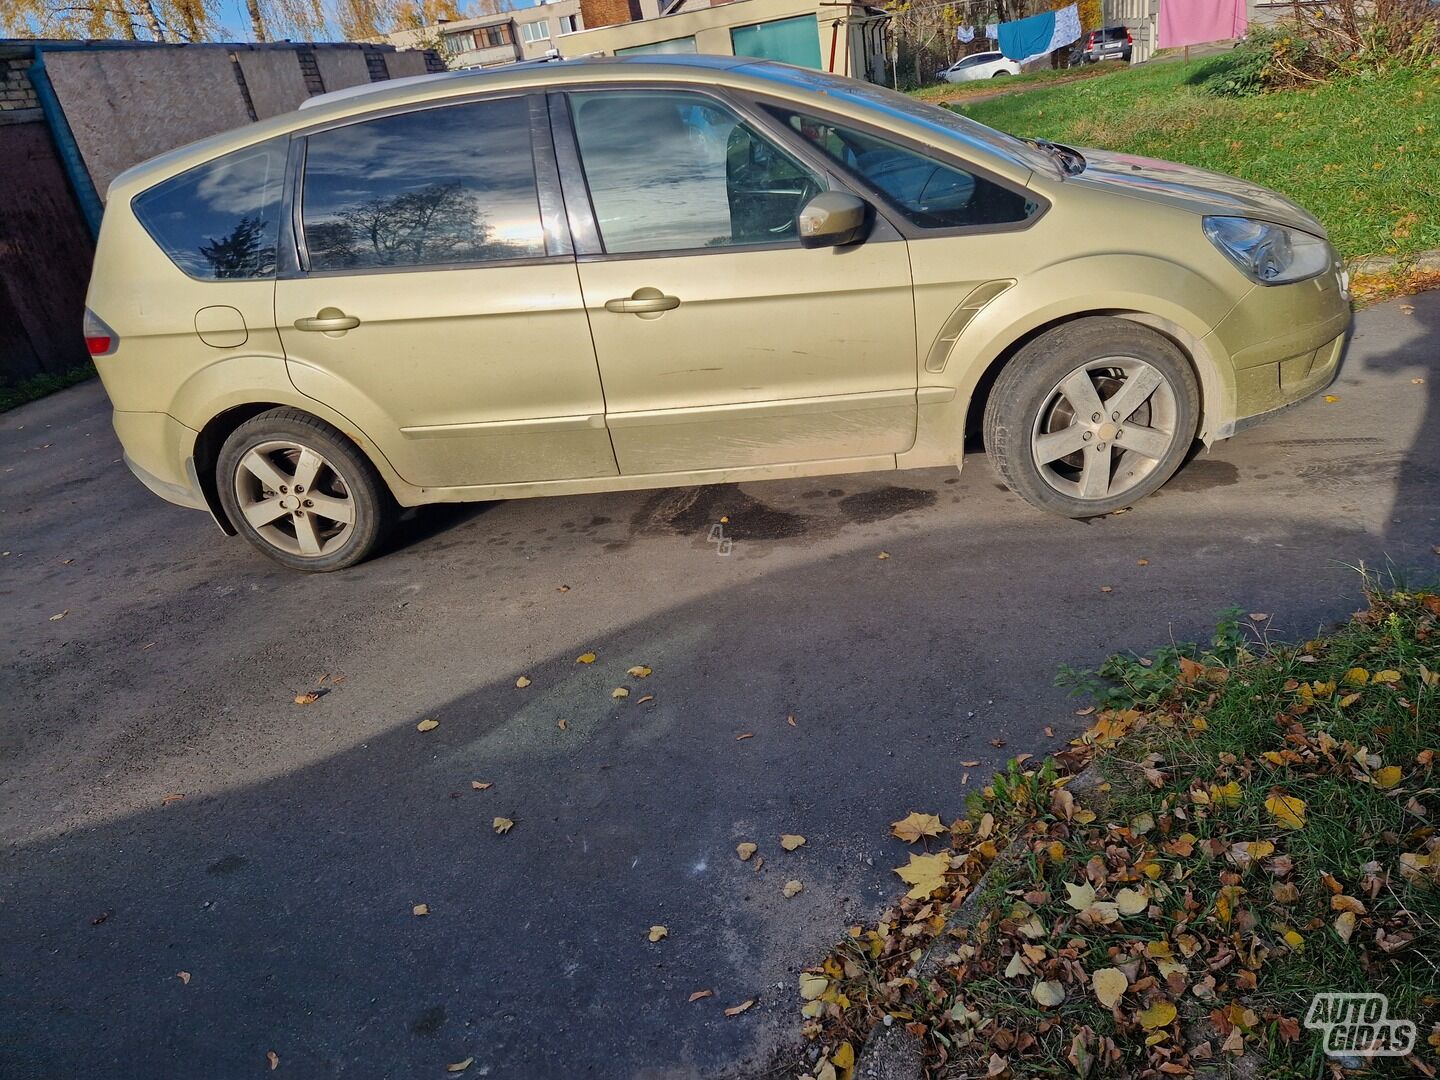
(614, 274)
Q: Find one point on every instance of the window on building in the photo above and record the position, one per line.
(489, 37)
(220, 220)
(531, 32)
(455, 44)
(569, 24)
(930, 193)
(697, 177)
(435, 186)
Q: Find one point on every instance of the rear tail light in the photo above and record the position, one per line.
(1128, 39)
(1090, 41)
(99, 338)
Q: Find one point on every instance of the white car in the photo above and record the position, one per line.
(983, 65)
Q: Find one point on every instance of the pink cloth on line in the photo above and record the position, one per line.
(1194, 22)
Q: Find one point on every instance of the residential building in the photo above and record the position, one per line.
(488, 40)
(847, 38)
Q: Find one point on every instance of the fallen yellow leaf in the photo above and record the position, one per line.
(925, 872)
(420, 909)
(522, 682)
(792, 888)
(1225, 795)
(1131, 901)
(1330, 399)
(700, 995)
(1345, 925)
(1389, 776)
(1287, 810)
(1109, 985)
(1048, 993)
(619, 692)
(1081, 896)
(1357, 676)
(183, 976)
(1159, 1015)
(745, 850)
(1389, 675)
(273, 1058)
(427, 725)
(812, 985)
(791, 841)
(502, 825)
(916, 825)
(307, 698)
(481, 785)
(460, 1066)
(658, 932)
(736, 1010)
(639, 671)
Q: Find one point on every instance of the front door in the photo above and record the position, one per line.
(722, 342)
(431, 307)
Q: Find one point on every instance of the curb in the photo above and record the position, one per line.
(1388, 264)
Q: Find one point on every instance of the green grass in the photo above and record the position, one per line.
(1361, 154)
(37, 386)
(1189, 746)
(1015, 83)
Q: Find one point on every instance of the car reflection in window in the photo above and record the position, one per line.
(439, 186)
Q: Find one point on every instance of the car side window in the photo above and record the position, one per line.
(220, 220)
(930, 193)
(448, 185)
(669, 171)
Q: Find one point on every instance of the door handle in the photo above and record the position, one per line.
(643, 302)
(328, 321)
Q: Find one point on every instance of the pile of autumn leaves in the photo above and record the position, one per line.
(1128, 930)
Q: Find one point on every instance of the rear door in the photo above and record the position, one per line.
(436, 302)
(722, 341)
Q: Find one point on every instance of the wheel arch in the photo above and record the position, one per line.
(1216, 393)
(219, 427)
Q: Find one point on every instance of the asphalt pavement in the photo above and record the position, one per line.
(167, 807)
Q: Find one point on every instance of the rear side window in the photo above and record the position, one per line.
(220, 220)
(438, 186)
(930, 193)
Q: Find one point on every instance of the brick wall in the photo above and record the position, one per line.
(595, 13)
(16, 93)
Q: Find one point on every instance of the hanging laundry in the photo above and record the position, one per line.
(1194, 22)
(965, 34)
(1041, 34)
(991, 31)
(1022, 38)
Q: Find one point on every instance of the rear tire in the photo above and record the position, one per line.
(302, 493)
(1092, 416)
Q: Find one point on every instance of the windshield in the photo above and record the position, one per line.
(943, 122)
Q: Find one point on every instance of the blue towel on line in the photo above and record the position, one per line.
(1023, 38)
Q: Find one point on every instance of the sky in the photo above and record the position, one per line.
(237, 23)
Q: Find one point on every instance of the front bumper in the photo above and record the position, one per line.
(1285, 344)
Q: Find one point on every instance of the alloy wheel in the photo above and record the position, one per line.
(1104, 428)
(294, 498)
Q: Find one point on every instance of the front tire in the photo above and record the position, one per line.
(301, 492)
(1092, 416)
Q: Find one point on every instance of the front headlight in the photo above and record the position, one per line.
(1268, 253)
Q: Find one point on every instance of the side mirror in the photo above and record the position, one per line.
(833, 218)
